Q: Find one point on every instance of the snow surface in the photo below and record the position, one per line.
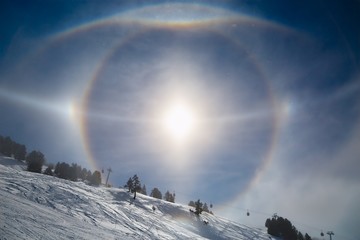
(37, 206)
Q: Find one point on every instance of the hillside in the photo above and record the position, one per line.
(37, 206)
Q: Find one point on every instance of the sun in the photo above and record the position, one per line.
(179, 122)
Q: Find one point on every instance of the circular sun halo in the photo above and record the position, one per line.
(179, 122)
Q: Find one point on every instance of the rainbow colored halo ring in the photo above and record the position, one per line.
(177, 17)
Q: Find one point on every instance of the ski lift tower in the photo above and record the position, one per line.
(330, 233)
(107, 179)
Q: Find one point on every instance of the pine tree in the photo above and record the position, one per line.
(136, 184)
(282, 227)
(307, 237)
(129, 184)
(96, 178)
(198, 207)
(7, 147)
(48, 170)
(155, 193)
(73, 172)
(169, 197)
(62, 170)
(10, 148)
(19, 151)
(83, 174)
(88, 176)
(35, 161)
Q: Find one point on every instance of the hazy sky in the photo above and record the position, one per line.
(243, 104)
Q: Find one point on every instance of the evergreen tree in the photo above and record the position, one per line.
(96, 178)
(83, 174)
(191, 204)
(198, 207)
(129, 184)
(281, 227)
(300, 236)
(19, 151)
(48, 170)
(155, 193)
(62, 170)
(7, 147)
(88, 176)
(136, 184)
(169, 197)
(35, 161)
(307, 237)
(73, 172)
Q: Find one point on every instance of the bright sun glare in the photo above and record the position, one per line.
(179, 122)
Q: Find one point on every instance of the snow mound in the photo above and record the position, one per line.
(37, 206)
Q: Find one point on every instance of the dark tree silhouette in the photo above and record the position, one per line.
(191, 204)
(282, 227)
(155, 193)
(7, 146)
(96, 178)
(136, 184)
(48, 170)
(83, 174)
(19, 151)
(62, 170)
(35, 161)
(129, 184)
(88, 176)
(169, 197)
(74, 172)
(10, 148)
(198, 207)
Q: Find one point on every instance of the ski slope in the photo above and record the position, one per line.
(37, 206)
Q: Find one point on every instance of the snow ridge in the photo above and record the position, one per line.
(37, 206)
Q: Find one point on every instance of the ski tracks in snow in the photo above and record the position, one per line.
(37, 206)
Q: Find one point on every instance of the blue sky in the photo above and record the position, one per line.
(271, 87)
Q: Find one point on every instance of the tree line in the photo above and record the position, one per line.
(74, 172)
(134, 185)
(36, 159)
(282, 227)
(200, 207)
(10, 148)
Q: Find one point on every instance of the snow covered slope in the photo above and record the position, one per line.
(37, 206)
